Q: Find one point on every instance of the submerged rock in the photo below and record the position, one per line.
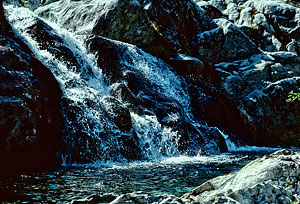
(271, 179)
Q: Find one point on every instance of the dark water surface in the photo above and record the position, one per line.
(176, 176)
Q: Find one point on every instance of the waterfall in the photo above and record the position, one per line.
(90, 133)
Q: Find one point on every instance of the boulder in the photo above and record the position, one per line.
(30, 115)
(260, 86)
(150, 97)
(225, 43)
(274, 23)
(159, 27)
(270, 179)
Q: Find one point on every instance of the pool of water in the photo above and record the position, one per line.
(176, 175)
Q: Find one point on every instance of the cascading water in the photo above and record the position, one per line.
(79, 84)
(90, 132)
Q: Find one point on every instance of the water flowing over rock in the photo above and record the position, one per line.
(118, 101)
(29, 107)
(228, 64)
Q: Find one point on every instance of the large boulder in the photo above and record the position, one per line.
(159, 27)
(30, 122)
(260, 85)
(150, 96)
(271, 179)
(225, 43)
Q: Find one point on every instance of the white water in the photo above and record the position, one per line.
(232, 147)
(88, 84)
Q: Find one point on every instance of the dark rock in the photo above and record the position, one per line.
(212, 11)
(29, 108)
(223, 44)
(49, 40)
(143, 96)
(260, 86)
(118, 113)
(189, 67)
(158, 27)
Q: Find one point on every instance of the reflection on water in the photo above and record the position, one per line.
(176, 176)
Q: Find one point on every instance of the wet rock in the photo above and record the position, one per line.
(106, 198)
(143, 96)
(271, 179)
(118, 113)
(49, 40)
(187, 66)
(30, 122)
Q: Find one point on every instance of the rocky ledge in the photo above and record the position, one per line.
(271, 179)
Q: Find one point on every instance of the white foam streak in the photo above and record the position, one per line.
(232, 147)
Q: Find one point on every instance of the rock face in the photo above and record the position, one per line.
(138, 110)
(142, 95)
(266, 79)
(160, 28)
(197, 41)
(261, 85)
(30, 122)
(271, 179)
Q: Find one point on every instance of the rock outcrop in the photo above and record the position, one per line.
(31, 123)
(271, 179)
(261, 85)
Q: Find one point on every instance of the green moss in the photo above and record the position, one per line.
(293, 96)
(24, 3)
(254, 28)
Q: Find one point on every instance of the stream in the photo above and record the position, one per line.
(174, 175)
